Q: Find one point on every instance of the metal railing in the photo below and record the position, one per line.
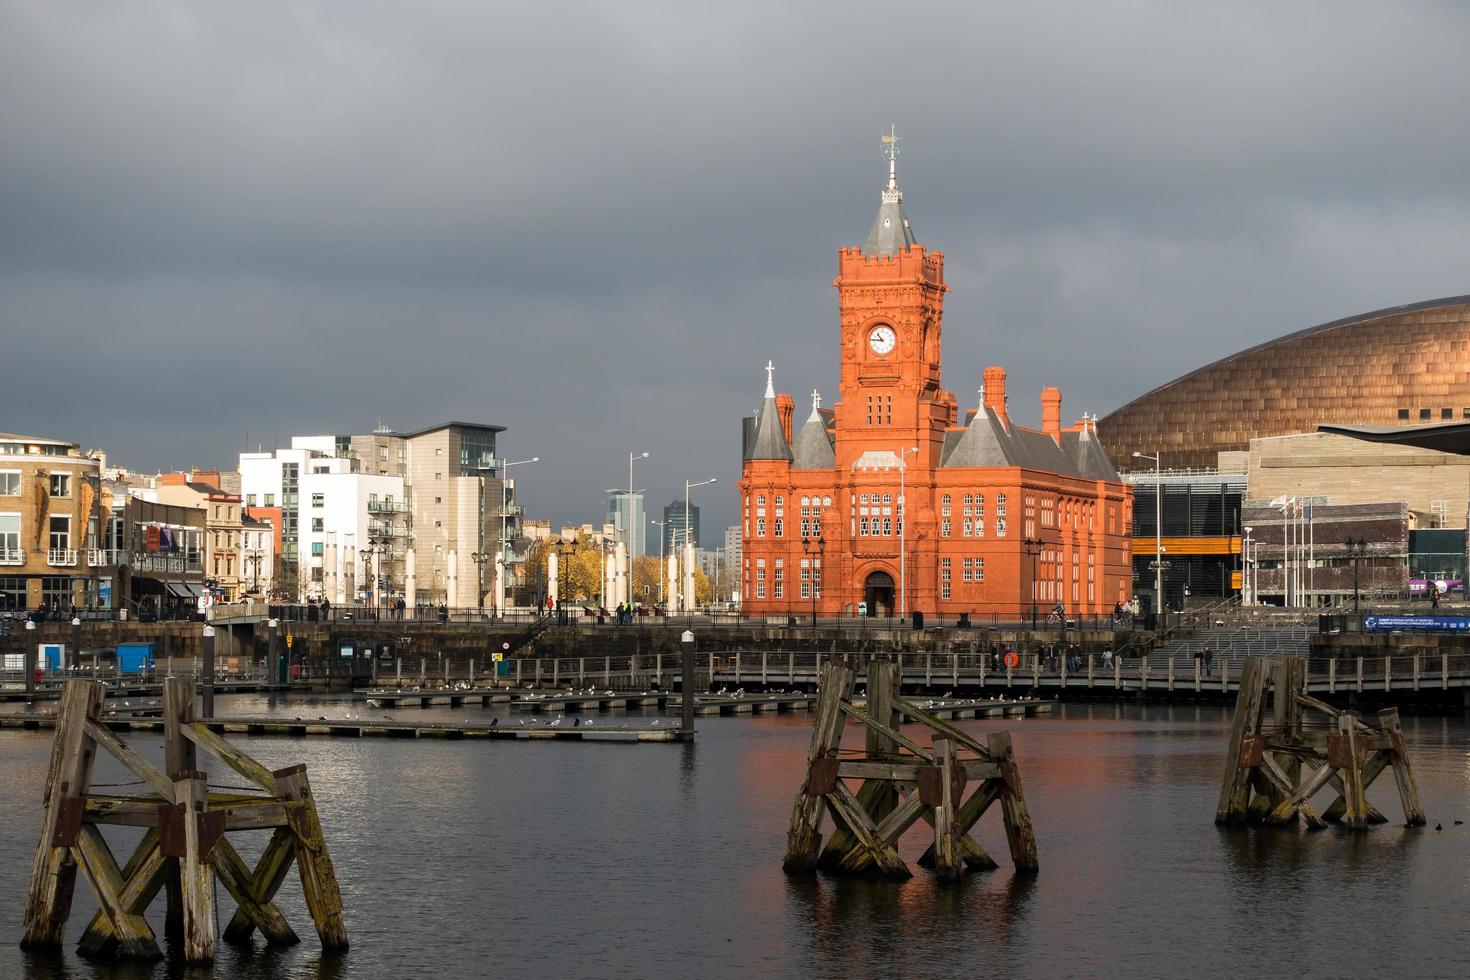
(61, 557)
(106, 557)
(12, 556)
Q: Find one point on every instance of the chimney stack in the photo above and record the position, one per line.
(995, 393)
(785, 408)
(1051, 413)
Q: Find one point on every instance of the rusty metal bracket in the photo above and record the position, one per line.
(821, 778)
(1252, 751)
(211, 829)
(171, 829)
(68, 828)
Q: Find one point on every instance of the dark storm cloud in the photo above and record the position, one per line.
(594, 223)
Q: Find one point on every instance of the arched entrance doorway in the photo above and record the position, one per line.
(878, 593)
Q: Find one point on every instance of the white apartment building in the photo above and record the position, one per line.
(424, 515)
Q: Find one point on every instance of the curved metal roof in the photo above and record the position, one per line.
(1298, 335)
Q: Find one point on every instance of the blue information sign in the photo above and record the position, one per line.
(1437, 624)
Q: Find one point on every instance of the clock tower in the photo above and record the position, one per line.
(891, 303)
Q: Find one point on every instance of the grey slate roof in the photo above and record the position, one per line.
(812, 449)
(770, 440)
(986, 442)
(1089, 456)
(891, 232)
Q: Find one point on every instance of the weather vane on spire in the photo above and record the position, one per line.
(816, 400)
(890, 150)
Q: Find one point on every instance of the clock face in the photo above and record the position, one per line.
(881, 340)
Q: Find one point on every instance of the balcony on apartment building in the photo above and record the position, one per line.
(387, 507)
(145, 562)
(12, 556)
(106, 557)
(61, 557)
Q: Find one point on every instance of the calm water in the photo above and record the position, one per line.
(468, 859)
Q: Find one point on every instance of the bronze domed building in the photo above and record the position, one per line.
(1402, 366)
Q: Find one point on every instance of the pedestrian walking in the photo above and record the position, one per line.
(1209, 661)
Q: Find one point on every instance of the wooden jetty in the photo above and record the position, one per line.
(658, 731)
(1276, 763)
(902, 782)
(185, 849)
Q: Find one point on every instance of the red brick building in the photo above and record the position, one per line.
(821, 510)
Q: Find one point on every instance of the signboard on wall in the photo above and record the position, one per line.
(1435, 624)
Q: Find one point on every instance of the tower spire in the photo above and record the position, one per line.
(891, 232)
(890, 150)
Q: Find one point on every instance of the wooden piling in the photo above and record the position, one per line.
(184, 845)
(903, 782)
(54, 871)
(1263, 778)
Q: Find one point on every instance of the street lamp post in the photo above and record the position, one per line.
(500, 560)
(687, 554)
(375, 545)
(1158, 529)
(1357, 549)
(1032, 547)
(813, 578)
(564, 552)
(1247, 594)
(660, 525)
(628, 501)
(480, 558)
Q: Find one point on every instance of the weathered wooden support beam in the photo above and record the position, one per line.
(883, 856)
(1403, 773)
(1235, 786)
(973, 809)
(943, 727)
(948, 860)
(1019, 833)
(1294, 798)
(238, 880)
(140, 766)
(54, 871)
(129, 930)
(1287, 808)
(318, 879)
(222, 750)
(196, 877)
(178, 756)
(143, 877)
(804, 838)
(1350, 766)
(1375, 765)
(974, 769)
(890, 830)
(270, 873)
(1288, 678)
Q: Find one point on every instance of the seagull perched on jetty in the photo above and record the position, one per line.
(576, 722)
(494, 722)
(655, 722)
(555, 723)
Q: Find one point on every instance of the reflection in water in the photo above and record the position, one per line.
(466, 859)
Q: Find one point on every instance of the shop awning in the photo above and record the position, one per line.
(183, 590)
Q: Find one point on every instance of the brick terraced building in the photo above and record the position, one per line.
(998, 516)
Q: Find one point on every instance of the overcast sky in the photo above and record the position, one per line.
(594, 223)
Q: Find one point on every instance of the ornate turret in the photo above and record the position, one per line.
(770, 440)
(813, 447)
